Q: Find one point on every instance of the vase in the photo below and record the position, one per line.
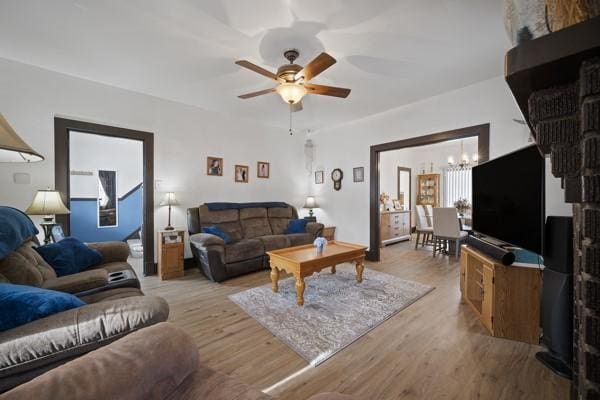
(320, 248)
(525, 20)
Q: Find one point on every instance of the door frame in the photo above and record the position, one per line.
(409, 170)
(482, 132)
(62, 182)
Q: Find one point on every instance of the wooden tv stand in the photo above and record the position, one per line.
(507, 299)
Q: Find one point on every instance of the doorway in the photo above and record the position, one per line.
(105, 176)
(480, 131)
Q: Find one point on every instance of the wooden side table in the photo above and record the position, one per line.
(329, 233)
(170, 254)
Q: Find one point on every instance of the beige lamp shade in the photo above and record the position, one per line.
(310, 202)
(12, 147)
(169, 200)
(47, 202)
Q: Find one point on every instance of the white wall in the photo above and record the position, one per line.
(347, 146)
(184, 136)
(90, 153)
(388, 170)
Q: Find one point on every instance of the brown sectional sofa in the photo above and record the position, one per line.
(253, 230)
(160, 363)
(115, 307)
(25, 266)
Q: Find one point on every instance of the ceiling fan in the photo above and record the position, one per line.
(293, 79)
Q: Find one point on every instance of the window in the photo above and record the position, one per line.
(457, 185)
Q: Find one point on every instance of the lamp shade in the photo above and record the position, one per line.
(291, 92)
(47, 202)
(169, 200)
(12, 147)
(310, 202)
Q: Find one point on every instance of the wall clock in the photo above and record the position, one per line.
(337, 175)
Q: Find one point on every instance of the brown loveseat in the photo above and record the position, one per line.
(155, 363)
(115, 307)
(254, 228)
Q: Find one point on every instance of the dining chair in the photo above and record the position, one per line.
(446, 228)
(429, 214)
(422, 227)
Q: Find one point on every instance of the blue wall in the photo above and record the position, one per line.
(84, 218)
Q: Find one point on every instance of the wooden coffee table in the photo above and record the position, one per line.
(303, 261)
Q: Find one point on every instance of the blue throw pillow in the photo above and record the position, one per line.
(69, 256)
(296, 226)
(215, 230)
(15, 227)
(20, 304)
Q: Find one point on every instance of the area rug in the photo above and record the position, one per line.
(337, 311)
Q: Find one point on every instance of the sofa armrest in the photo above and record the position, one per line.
(315, 228)
(80, 282)
(205, 240)
(148, 364)
(111, 251)
(74, 332)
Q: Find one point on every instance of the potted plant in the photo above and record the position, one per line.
(462, 205)
(383, 199)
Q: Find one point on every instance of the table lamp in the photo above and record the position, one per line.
(169, 200)
(12, 147)
(310, 203)
(47, 203)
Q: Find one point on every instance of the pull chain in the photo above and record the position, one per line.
(291, 133)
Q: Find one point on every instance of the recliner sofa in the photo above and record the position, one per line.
(126, 369)
(254, 228)
(115, 307)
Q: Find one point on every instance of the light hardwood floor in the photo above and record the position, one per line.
(434, 349)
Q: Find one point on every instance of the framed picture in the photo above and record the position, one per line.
(358, 174)
(263, 169)
(214, 166)
(241, 173)
(397, 205)
(319, 177)
(107, 203)
(56, 233)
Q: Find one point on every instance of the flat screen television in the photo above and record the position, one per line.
(508, 199)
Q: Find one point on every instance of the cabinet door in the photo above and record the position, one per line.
(487, 312)
(171, 258)
(463, 274)
(385, 219)
(405, 223)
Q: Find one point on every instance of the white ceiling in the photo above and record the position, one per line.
(389, 52)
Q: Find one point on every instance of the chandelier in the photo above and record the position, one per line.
(464, 159)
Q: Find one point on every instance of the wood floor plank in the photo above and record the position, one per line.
(434, 349)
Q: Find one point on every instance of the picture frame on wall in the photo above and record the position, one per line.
(319, 177)
(214, 166)
(241, 173)
(358, 174)
(263, 169)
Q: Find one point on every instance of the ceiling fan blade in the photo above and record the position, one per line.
(257, 69)
(297, 107)
(254, 94)
(315, 67)
(327, 90)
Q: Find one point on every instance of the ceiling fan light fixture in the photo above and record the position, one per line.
(291, 93)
